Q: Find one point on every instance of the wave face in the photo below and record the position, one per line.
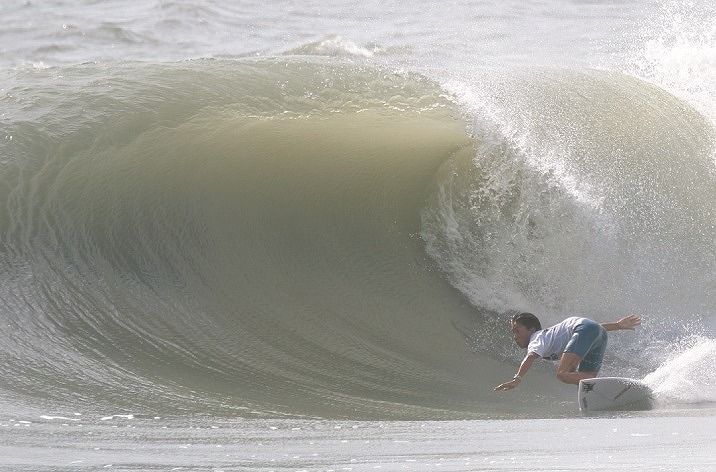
(315, 238)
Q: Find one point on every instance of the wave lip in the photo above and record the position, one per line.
(587, 188)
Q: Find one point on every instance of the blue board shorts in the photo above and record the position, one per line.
(589, 342)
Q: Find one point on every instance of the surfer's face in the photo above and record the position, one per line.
(521, 334)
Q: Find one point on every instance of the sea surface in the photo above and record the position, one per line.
(290, 235)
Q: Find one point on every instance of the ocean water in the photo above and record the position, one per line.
(259, 236)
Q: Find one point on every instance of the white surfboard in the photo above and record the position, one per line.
(613, 393)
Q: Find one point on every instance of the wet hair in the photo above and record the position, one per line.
(528, 320)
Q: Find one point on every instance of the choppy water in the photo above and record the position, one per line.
(313, 209)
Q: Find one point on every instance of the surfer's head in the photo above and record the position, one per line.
(523, 325)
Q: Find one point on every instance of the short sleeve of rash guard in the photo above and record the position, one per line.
(537, 345)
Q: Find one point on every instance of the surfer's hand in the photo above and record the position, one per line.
(630, 322)
(507, 385)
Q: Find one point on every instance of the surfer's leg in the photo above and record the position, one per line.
(582, 357)
(567, 369)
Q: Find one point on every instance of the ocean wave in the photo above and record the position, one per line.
(245, 229)
(335, 45)
(249, 237)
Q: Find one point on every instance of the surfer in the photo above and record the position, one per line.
(578, 344)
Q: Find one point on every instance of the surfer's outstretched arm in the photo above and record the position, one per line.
(630, 322)
(524, 367)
